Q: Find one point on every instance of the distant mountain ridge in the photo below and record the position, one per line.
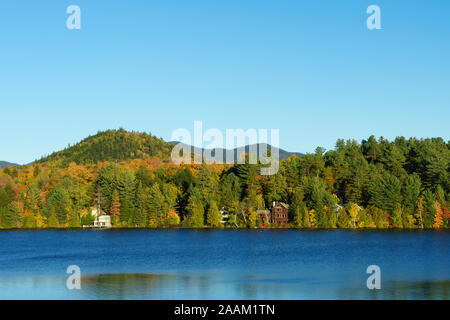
(118, 145)
(4, 164)
(283, 154)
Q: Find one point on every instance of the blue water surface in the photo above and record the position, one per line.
(227, 264)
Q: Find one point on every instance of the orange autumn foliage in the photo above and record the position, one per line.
(438, 220)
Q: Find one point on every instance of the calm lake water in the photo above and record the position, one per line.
(228, 264)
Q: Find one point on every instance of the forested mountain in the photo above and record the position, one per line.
(117, 145)
(376, 183)
(112, 145)
(4, 164)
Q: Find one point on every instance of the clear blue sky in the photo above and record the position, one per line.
(310, 68)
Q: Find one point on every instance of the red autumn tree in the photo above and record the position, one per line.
(115, 206)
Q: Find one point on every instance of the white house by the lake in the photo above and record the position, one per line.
(103, 222)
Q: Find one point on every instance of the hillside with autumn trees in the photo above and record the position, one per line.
(111, 145)
(376, 183)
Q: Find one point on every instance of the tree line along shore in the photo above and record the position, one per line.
(129, 177)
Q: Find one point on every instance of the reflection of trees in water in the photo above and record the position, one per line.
(121, 286)
(143, 286)
(157, 286)
(176, 286)
(401, 290)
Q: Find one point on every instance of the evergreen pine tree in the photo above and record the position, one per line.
(52, 220)
(430, 209)
(343, 220)
(196, 212)
(157, 207)
(140, 213)
(213, 216)
(397, 221)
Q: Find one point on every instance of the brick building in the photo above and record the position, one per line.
(280, 213)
